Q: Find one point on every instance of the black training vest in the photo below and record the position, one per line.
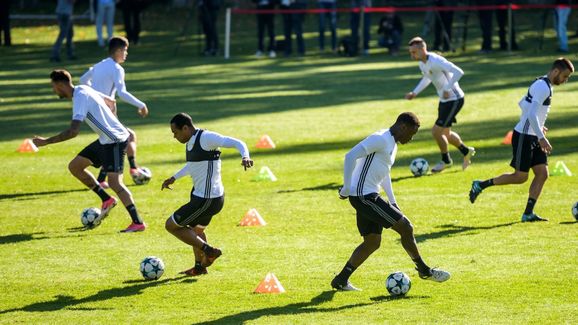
(197, 153)
(549, 99)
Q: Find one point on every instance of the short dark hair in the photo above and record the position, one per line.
(60, 75)
(408, 118)
(182, 119)
(563, 64)
(115, 43)
(416, 41)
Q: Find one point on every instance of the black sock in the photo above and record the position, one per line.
(344, 275)
(134, 214)
(487, 183)
(101, 193)
(422, 268)
(101, 176)
(463, 149)
(198, 265)
(530, 206)
(131, 162)
(446, 157)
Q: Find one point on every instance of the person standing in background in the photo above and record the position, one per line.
(332, 19)
(5, 22)
(64, 9)
(105, 12)
(561, 14)
(355, 21)
(265, 21)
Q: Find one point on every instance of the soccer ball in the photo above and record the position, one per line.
(152, 268)
(90, 217)
(398, 284)
(575, 211)
(142, 176)
(419, 167)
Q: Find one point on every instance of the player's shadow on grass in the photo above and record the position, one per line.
(325, 187)
(569, 223)
(18, 238)
(31, 195)
(450, 230)
(298, 308)
(66, 301)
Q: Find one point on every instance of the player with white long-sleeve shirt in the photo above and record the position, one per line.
(207, 197)
(530, 147)
(107, 77)
(445, 76)
(367, 167)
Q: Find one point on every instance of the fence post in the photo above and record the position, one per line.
(510, 27)
(228, 33)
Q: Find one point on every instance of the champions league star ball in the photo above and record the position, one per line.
(142, 176)
(90, 217)
(419, 167)
(575, 211)
(152, 268)
(398, 284)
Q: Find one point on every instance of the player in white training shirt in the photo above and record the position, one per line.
(445, 76)
(188, 223)
(366, 168)
(108, 151)
(530, 147)
(107, 77)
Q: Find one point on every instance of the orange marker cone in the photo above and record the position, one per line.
(252, 218)
(270, 285)
(265, 143)
(27, 146)
(508, 138)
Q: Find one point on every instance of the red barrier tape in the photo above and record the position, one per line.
(398, 9)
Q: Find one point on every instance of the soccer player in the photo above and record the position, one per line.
(108, 150)
(366, 167)
(107, 77)
(445, 76)
(530, 147)
(188, 223)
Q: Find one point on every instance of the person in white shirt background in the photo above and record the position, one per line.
(107, 77)
(444, 75)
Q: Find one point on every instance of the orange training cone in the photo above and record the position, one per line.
(252, 218)
(265, 143)
(270, 285)
(27, 146)
(508, 138)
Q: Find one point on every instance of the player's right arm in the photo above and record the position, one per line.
(86, 78)
(540, 92)
(125, 95)
(181, 173)
(423, 83)
(67, 134)
(367, 146)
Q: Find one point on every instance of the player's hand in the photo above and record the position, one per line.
(39, 141)
(167, 183)
(111, 103)
(545, 146)
(143, 111)
(411, 95)
(446, 94)
(342, 196)
(247, 162)
(544, 130)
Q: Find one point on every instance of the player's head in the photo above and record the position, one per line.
(561, 70)
(118, 48)
(405, 127)
(182, 127)
(61, 81)
(417, 49)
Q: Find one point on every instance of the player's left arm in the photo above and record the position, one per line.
(212, 140)
(388, 188)
(126, 96)
(457, 74)
(67, 134)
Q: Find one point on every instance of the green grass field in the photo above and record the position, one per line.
(315, 109)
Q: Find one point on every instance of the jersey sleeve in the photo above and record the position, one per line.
(540, 92)
(212, 140)
(184, 171)
(86, 78)
(387, 187)
(121, 89)
(448, 66)
(79, 107)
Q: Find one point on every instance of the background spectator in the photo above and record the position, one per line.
(5, 22)
(331, 18)
(443, 26)
(293, 22)
(208, 14)
(104, 12)
(561, 13)
(389, 31)
(265, 21)
(354, 24)
(64, 9)
(131, 10)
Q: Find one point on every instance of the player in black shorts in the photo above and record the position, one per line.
(530, 146)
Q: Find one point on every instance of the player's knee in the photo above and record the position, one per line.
(405, 227)
(372, 242)
(132, 136)
(520, 178)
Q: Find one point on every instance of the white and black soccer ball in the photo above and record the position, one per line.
(142, 176)
(575, 211)
(398, 284)
(152, 268)
(419, 167)
(90, 217)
